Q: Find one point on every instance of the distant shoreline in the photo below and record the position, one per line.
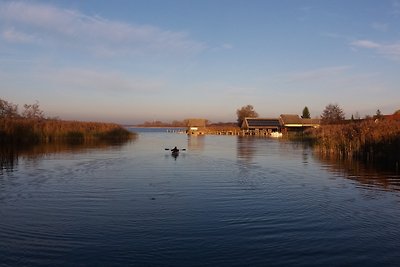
(154, 127)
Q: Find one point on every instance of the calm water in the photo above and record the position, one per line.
(226, 201)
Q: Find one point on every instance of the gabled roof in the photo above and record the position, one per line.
(261, 123)
(290, 119)
(196, 123)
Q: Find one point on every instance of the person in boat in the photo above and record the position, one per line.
(175, 150)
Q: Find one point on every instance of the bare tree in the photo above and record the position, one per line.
(32, 111)
(332, 114)
(245, 112)
(7, 109)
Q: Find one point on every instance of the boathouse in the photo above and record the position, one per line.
(284, 124)
(293, 123)
(196, 126)
(260, 126)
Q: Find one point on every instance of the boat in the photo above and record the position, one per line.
(175, 151)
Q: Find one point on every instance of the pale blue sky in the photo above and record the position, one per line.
(131, 61)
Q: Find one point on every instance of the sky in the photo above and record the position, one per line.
(130, 61)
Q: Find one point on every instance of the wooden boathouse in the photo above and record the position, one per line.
(276, 126)
(260, 126)
(196, 126)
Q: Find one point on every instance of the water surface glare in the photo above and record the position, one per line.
(225, 201)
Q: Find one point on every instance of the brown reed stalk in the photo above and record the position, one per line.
(369, 140)
(23, 130)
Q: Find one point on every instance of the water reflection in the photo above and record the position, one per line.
(10, 154)
(196, 143)
(8, 159)
(249, 147)
(175, 154)
(367, 175)
(246, 148)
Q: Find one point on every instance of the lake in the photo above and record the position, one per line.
(225, 201)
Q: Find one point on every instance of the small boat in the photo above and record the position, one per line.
(175, 151)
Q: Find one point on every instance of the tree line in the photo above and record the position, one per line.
(332, 114)
(31, 127)
(10, 110)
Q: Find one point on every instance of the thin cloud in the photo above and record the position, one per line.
(13, 36)
(100, 81)
(72, 28)
(391, 51)
(366, 44)
(382, 27)
(317, 74)
(227, 46)
(396, 7)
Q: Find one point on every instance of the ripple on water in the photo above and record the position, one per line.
(139, 206)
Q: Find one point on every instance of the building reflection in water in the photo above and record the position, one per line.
(246, 148)
(196, 142)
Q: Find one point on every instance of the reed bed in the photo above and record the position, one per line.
(368, 140)
(29, 131)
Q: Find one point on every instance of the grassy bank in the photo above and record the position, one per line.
(367, 140)
(29, 131)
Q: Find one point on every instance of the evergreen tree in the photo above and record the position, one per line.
(306, 113)
(378, 114)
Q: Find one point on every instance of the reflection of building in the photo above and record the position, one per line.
(274, 126)
(196, 143)
(196, 126)
(245, 148)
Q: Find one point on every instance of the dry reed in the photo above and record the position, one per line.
(369, 140)
(25, 131)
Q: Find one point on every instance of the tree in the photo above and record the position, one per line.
(378, 115)
(332, 114)
(32, 111)
(7, 109)
(306, 113)
(245, 112)
(396, 112)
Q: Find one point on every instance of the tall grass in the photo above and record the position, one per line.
(367, 140)
(28, 131)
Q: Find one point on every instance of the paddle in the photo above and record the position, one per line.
(182, 149)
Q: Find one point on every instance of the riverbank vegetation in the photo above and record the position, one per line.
(31, 127)
(368, 140)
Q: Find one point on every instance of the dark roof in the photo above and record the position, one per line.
(262, 123)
